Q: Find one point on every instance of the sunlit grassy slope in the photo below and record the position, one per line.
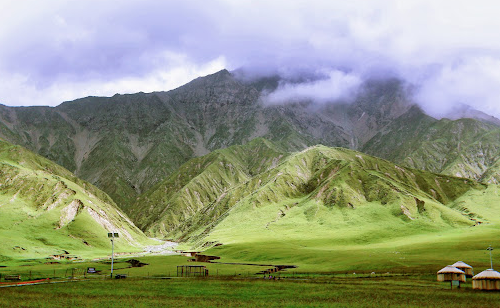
(45, 209)
(331, 208)
(367, 238)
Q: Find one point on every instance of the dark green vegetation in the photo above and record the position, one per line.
(45, 210)
(466, 147)
(336, 292)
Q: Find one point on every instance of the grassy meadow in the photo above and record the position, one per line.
(406, 291)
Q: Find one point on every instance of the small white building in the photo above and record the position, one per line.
(468, 270)
(486, 280)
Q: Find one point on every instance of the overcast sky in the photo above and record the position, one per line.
(52, 51)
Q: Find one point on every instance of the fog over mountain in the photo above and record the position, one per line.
(447, 51)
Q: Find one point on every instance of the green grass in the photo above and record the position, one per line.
(320, 292)
(34, 196)
(158, 266)
(367, 238)
(332, 209)
(323, 210)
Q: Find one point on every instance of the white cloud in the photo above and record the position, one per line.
(473, 81)
(18, 90)
(338, 85)
(56, 47)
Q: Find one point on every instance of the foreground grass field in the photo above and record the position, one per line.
(422, 291)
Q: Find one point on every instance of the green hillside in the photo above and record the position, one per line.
(209, 189)
(46, 210)
(191, 164)
(199, 185)
(466, 147)
(265, 205)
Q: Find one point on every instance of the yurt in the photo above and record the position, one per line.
(450, 273)
(486, 280)
(469, 272)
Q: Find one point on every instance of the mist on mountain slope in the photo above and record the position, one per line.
(335, 86)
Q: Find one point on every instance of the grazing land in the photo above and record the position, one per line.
(392, 291)
(335, 283)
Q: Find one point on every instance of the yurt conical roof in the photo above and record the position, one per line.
(488, 274)
(450, 269)
(461, 264)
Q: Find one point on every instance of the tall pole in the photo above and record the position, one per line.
(112, 256)
(112, 236)
(491, 260)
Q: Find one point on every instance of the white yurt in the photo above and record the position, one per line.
(469, 271)
(486, 280)
(450, 273)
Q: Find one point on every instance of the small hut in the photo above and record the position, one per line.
(451, 274)
(192, 271)
(469, 272)
(486, 280)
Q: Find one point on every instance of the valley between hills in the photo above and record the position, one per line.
(213, 167)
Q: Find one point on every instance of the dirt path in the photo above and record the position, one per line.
(163, 249)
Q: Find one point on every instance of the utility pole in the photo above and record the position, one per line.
(491, 260)
(112, 236)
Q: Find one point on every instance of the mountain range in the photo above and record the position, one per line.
(181, 164)
(125, 144)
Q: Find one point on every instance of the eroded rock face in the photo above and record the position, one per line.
(69, 212)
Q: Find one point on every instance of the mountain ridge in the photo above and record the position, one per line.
(125, 144)
(333, 178)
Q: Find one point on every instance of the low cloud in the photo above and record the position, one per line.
(474, 82)
(335, 86)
